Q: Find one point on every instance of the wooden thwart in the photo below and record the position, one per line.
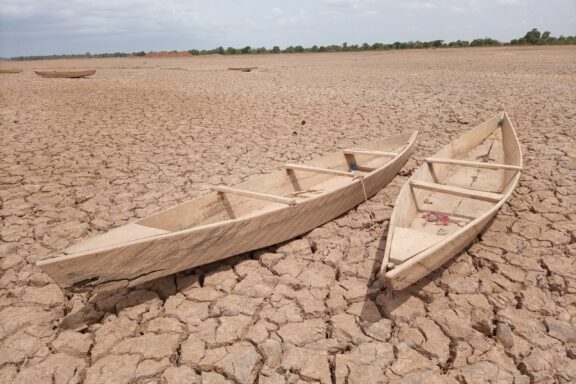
(474, 164)
(354, 151)
(254, 195)
(458, 191)
(308, 168)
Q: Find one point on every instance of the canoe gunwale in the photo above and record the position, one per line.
(397, 161)
(466, 234)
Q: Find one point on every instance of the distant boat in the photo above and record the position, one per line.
(10, 70)
(65, 74)
(243, 69)
(450, 199)
(263, 211)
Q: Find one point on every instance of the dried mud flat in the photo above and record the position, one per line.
(80, 157)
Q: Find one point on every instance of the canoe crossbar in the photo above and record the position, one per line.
(308, 168)
(458, 191)
(359, 151)
(254, 195)
(474, 164)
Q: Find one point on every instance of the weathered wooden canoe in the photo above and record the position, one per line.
(10, 70)
(450, 199)
(242, 69)
(265, 210)
(65, 74)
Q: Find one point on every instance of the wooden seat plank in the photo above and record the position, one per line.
(458, 191)
(474, 164)
(254, 195)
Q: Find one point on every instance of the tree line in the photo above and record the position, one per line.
(532, 37)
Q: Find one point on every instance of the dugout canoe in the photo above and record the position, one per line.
(10, 70)
(65, 74)
(450, 199)
(263, 211)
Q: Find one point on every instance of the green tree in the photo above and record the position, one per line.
(275, 49)
(533, 37)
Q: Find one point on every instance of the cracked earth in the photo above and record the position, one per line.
(80, 157)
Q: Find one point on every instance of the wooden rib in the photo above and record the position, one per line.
(475, 164)
(254, 195)
(359, 151)
(458, 191)
(308, 168)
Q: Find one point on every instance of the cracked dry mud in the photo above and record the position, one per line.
(80, 157)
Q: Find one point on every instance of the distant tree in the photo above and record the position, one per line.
(533, 37)
(220, 50)
(321, 48)
(366, 47)
(246, 49)
(545, 36)
(141, 53)
(231, 51)
(275, 49)
(314, 48)
(194, 52)
(344, 46)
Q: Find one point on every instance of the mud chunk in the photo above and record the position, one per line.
(303, 333)
(180, 375)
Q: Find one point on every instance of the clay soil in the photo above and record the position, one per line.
(80, 157)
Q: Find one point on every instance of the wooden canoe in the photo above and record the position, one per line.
(450, 199)
(65, 74)
(242, 69)
(10, 70)
(263, 211)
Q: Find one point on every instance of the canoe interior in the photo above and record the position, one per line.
(413, 229)
(214, 208)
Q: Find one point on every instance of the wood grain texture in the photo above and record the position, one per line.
(200, 231)
(493, 140)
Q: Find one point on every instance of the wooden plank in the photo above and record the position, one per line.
(458, 191)
(308, 168)
(474, 164)
(359, 151)
(254, 195)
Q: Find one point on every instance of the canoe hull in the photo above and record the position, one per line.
(137, 263)
(427, 261)
(67, 75)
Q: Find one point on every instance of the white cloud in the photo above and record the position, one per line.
(366, 7)
(421, 4)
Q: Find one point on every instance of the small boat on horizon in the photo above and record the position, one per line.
(450, 199)
(263, 211)
(10, 70)
(65, 74)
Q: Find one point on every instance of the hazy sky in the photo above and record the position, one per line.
(38, 27)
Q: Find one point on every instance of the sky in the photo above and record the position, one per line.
(43, 27)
